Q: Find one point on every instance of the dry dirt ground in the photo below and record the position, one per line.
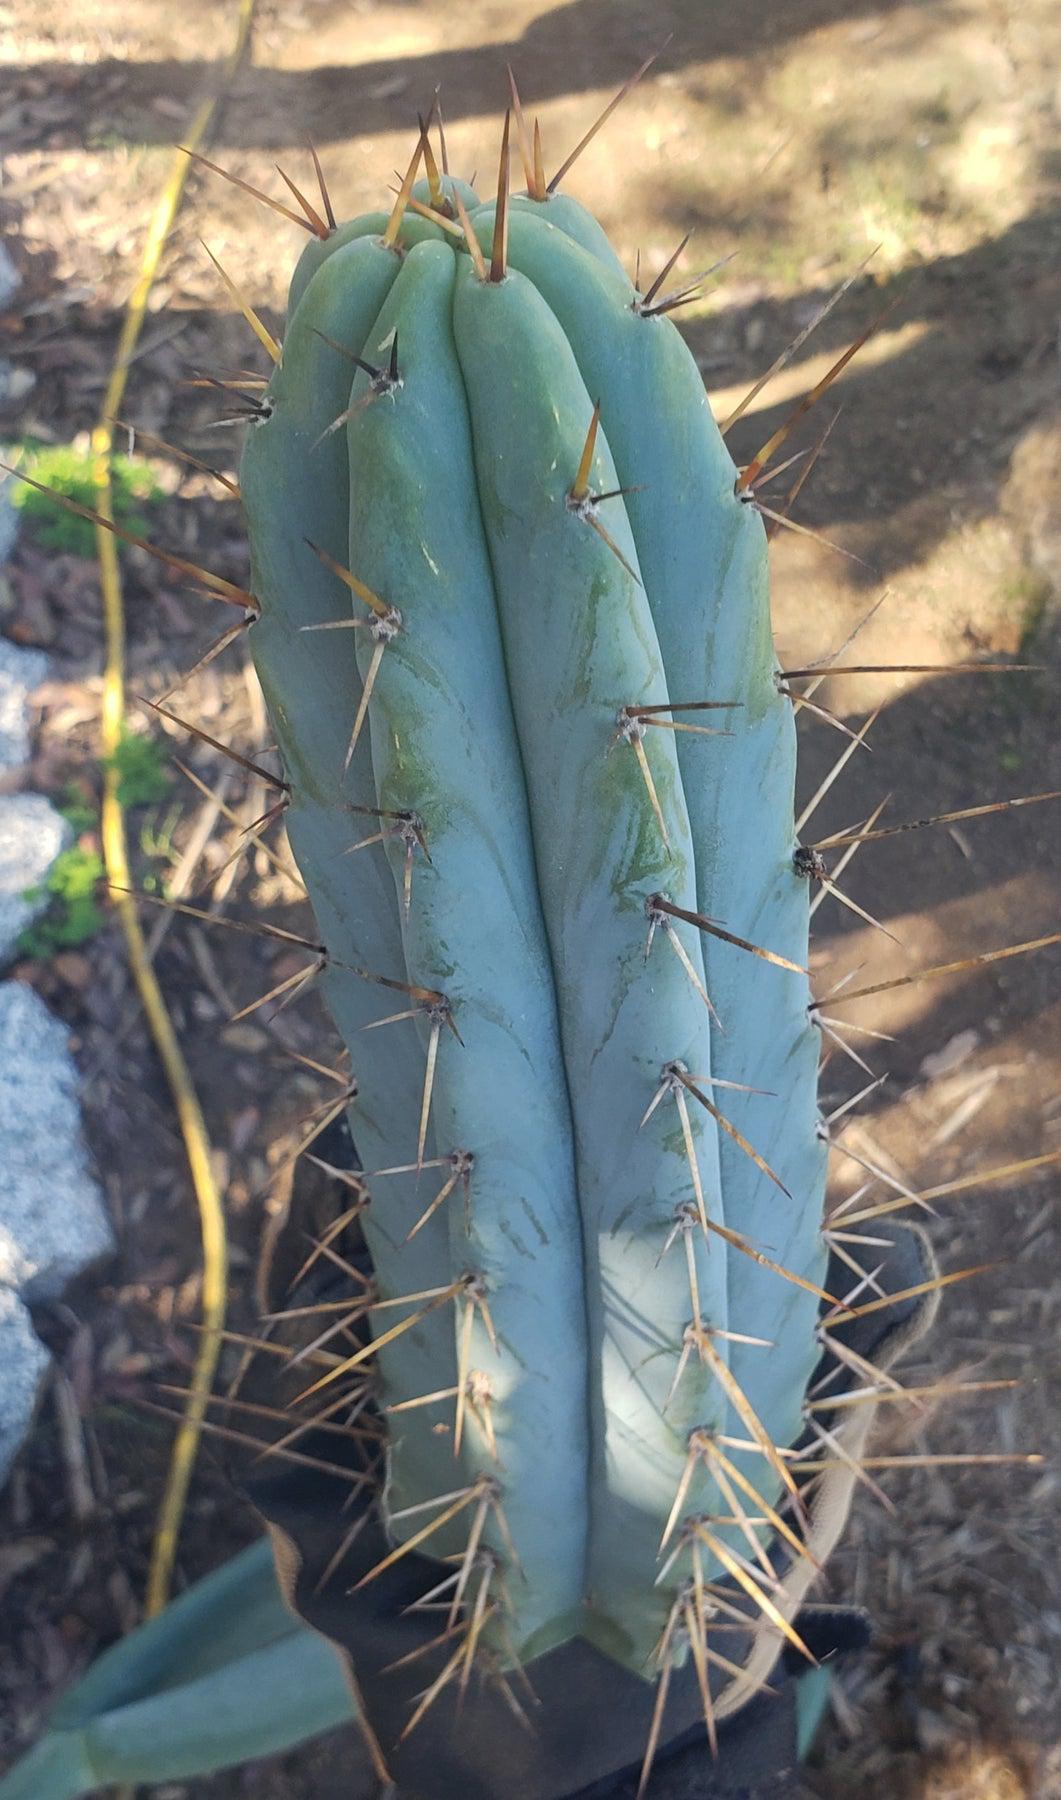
(801, 134)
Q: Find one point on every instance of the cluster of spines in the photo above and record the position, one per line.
(475, 1593)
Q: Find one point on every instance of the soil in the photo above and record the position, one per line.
(802, 135)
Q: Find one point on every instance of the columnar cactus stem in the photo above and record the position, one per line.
(496, 448)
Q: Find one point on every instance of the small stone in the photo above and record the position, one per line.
(23, 1366)
(32, 834)
(52, 1219)
(20, 672)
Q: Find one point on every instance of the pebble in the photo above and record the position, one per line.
(32, 834)
(20, 672)
(53, 1223)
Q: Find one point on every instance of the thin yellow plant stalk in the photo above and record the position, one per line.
(115, 853)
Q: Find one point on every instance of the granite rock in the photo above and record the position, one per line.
(20, 672)
(53, 1222)
(32, 834)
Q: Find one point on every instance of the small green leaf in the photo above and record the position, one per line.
(72, 916)
(143, 778)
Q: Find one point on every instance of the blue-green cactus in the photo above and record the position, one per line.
(506, 576)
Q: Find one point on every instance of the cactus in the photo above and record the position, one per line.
(496, 460)
(509, 609)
